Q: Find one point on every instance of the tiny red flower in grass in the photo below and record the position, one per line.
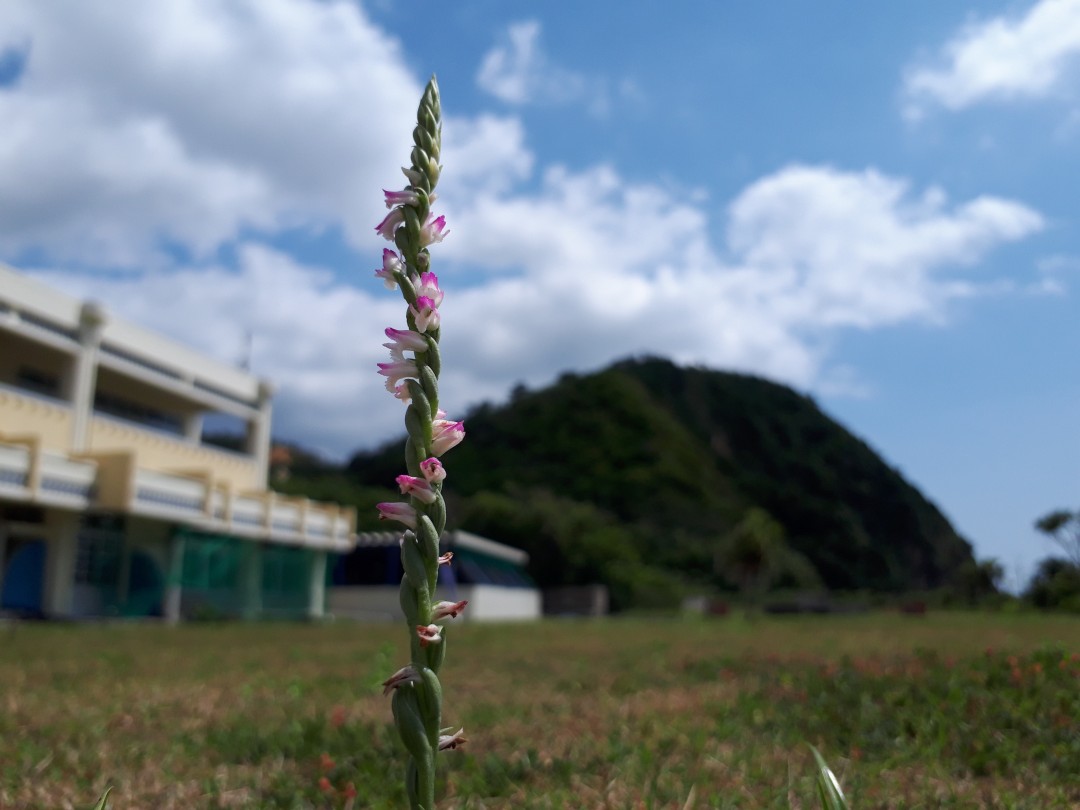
(325, 762)
(337, 716)
(325, 786)
(350, 791)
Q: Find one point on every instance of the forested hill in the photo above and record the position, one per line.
(642, 470)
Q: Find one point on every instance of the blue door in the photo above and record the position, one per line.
(24, 579)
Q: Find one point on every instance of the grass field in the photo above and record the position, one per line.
(952, 710)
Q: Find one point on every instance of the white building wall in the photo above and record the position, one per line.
(487, 603)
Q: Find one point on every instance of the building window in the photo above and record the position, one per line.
(98, 560)
(38, 381)
(134, 412)
(475, 568)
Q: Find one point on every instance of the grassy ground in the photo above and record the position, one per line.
(954, 710)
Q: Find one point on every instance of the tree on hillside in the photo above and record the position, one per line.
(1063, 527)
(748, 555)
(978, 579)
(1055, 585)
(674, 459)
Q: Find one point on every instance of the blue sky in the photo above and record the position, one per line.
(872, 202)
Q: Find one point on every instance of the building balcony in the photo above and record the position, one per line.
(165, 452)
(114, 481)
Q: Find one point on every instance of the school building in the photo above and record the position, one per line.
(133, 476)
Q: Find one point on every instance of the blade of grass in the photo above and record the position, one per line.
(832, 797)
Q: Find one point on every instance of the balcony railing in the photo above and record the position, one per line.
(29, 472)
(264, 515)
(113, 481)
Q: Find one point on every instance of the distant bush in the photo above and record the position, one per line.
(1055, 586)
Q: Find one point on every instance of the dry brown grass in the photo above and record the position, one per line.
(619, 714)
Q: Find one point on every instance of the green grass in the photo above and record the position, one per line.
(955, 710)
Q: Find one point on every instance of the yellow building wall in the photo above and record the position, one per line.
(21, 415)
(155, 451)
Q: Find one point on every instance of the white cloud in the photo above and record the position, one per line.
(220, 122)
(595, 268)
(1054, 272)
(488, 154)
(317, 339)
(589, 269)
(135, 123)
(1003, 58)
(518, 71)
(857, 250)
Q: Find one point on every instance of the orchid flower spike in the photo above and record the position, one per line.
(443, 610)
(412, 376)
(399, 390)
(388, 227)
(429, 297)
(406, 197)
(434, 230)
(429, 288)
(401, 512)
(417, 488)
(448, 742)
(391, 264)
(400, 678)
(429, 634)
(446, 435)
(432, 470)
(398, 370)
(405, 340)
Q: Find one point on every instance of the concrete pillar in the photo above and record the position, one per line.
(251, 580)
(174, 580)
(258, 435)
(3, 555)
(123, 574)
(193, 423)
(92, 320)
(317, 585)
(61, 550)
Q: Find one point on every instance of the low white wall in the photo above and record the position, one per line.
(492, 603)
(379, 603)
